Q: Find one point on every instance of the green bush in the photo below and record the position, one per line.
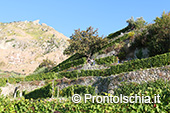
(124, 37)
(41, 76)
(156, 61)
(45, 106)
(43, 92)
(76, 89)
(72, 74)
(122, 55)
(117, 33)
(3, 82)
(15, 80)
(135, 88)
(73, 57)
(47, 64)
(107, 60)
(41, 70)
(69, 64)
(155, 37)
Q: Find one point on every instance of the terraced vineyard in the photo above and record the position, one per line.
(52, 89)
(56, 105)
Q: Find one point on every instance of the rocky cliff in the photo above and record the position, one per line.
(24, 45)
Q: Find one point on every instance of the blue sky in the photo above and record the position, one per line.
(67, 15)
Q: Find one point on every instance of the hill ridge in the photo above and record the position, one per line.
(24, 45)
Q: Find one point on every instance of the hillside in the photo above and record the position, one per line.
(24, 45)
(136, 61)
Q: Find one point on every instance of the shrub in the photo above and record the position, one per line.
(135, 88)
(124, 37)
(69, 64)
(76, 89)
(43, 92)
(15, 80)
(117, 33)
(156, 61)
(71, 74)
(41, 76)
(121, 55)
(155, 37)
(3, 82)
(107, 60)
(131, 34)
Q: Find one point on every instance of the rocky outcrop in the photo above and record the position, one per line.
(24, 45)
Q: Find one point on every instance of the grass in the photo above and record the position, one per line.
(9, 40)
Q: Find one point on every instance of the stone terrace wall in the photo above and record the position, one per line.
(107, 84)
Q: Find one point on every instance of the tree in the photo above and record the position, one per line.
(158, 37)
(85, 42)
(138, 23)
(131, 22)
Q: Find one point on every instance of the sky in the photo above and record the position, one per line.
(65, 16)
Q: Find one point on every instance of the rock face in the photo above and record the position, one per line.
(24, 45)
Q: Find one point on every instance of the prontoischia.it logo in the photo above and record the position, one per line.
(76, 98)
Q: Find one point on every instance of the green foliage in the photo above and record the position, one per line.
(9, 40)
(139, 54)
(121, 55)
(131, 34)
(117, 33)
(85, 42)
(3, 82)
(76, 89)
(11, 80)
(73, 57)
(40, 70)
(124, 37)
(76, 56)
(155, 36)
(15, 80)
(47, 64)
(45, 106)
(107, 60)
(156, 61)
(72, 74)
(45, 67)
(43, 92)
(152, 87)
(138, 23)
(69, 64)
(41, 76)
